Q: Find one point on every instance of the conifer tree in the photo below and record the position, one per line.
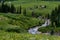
(20, 10)
(12, 9)
(33, 14)
(24, 12)
(55, 16)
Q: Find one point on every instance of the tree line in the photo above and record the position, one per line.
(55, 16)
(5, 8)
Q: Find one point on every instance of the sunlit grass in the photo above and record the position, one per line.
(26, 36)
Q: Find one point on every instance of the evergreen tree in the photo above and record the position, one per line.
(17, 11)
(58, 16)
(55, 16)
(52, 17)
(24, 12)
(48, 16)
(6, 8)
(12, 9)
(33, 14)
(2, 7)
(20, 10)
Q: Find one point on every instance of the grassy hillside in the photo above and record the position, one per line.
(50, 5)
(13, 21)
(15, 26)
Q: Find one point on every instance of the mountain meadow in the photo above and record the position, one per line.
(18, 16)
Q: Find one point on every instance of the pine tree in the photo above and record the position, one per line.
(2, 7)
(48, 16)
(20, 10)
(17, 11)
(58, 16)
(33, 14)
(12, 9)
(55, 16)
(6, 8)
(52, 17)
(24, 12)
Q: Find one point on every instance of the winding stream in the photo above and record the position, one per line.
(35, 29)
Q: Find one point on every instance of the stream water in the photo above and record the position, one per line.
(35, 29)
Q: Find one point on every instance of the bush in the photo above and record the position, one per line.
(17, 30)
(21, 22)
(45, 29)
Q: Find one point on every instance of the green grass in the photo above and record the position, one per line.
(22, 23)
(27, 22)
(26, 36)
(17, 21)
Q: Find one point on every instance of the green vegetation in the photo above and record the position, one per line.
(16, 17)
(19, 21)
(25, 36)
(39, 10)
